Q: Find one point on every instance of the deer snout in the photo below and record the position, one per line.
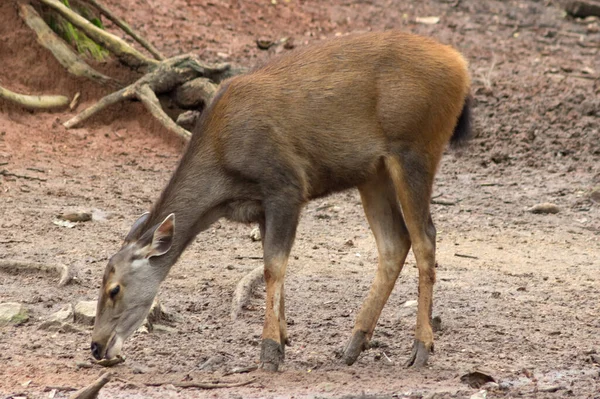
(96, 350)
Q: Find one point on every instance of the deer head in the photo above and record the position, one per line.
(129, 285)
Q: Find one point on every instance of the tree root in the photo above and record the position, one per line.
(34, 102)
(91, 391)
(66, 273)
(112, 43)
(61, 51)
(126, 28)
(243, 290)
(167, 76)
(202, 385)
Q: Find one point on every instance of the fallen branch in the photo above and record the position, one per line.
(243, 290)
(202, 385)
(61, 51)
(34, 102)
(91, 391)
(126, 28)
(5, 172)
(466, 256)
(112, 43)
(66, 273)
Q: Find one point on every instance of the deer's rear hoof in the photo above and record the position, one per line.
(357, 344)
(419, 355)
(271, 355)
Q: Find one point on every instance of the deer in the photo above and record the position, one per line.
(373, 111)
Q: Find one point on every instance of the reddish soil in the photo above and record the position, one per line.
(523, 306)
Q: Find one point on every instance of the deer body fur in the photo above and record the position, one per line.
(373, 111)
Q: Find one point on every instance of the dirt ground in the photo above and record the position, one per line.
(522, 305)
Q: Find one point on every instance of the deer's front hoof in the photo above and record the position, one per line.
(271, 355)
(419, 355)
(357, 344)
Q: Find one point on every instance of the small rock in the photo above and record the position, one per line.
(409, 304)
(85, 312)
(590, 107)
(59, 320)
(544, 208)
(76, 216)
(595, 196)
(479, 395)
(476, 379)
(255, 234)
(436, 323)
(13, 313)
(212, 363)
(427, 20)
(263, 43)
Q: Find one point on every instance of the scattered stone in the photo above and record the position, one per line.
(60, 320)
(476, 379)
(255, 234)
(590, 107)
(76, 216)
(85, 312)
(479, 395)
(582, 9)
(427, 20)
(595, 359)
(409, 304)
(264, 44)
(544, 208)
(436, 323)
(595, 196)
(13, 313)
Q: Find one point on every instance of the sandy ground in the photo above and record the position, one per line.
(523, 305)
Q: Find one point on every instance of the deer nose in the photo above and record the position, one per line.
(96, 349)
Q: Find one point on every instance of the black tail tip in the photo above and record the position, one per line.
(463, 130)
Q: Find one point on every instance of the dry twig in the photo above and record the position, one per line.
(91, 391)
(202, 385)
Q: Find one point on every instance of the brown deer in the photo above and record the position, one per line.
(373, 111)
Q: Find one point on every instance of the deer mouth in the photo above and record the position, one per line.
(113, 347)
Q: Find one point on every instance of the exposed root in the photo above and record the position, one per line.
(126, 28)
(167, 76)
(112, 43)
(34, 102)
(91, 391)
(243, 290)
(147, 96)
(202, 385)
(66, 273)
(61, 51)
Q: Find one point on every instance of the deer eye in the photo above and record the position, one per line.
(114, 292)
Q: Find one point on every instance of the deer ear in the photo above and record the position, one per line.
(162, 239)
(136, 227)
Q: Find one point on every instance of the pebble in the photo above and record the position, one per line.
(13, 313)
(85, 312)
(544, 208)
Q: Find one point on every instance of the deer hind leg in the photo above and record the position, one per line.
(380, 203)
(279, 231)
(412, 171)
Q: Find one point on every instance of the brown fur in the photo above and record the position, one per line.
(373, 111)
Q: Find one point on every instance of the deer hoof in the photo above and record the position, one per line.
(271, 355)
(357, 344)
(419, 355)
